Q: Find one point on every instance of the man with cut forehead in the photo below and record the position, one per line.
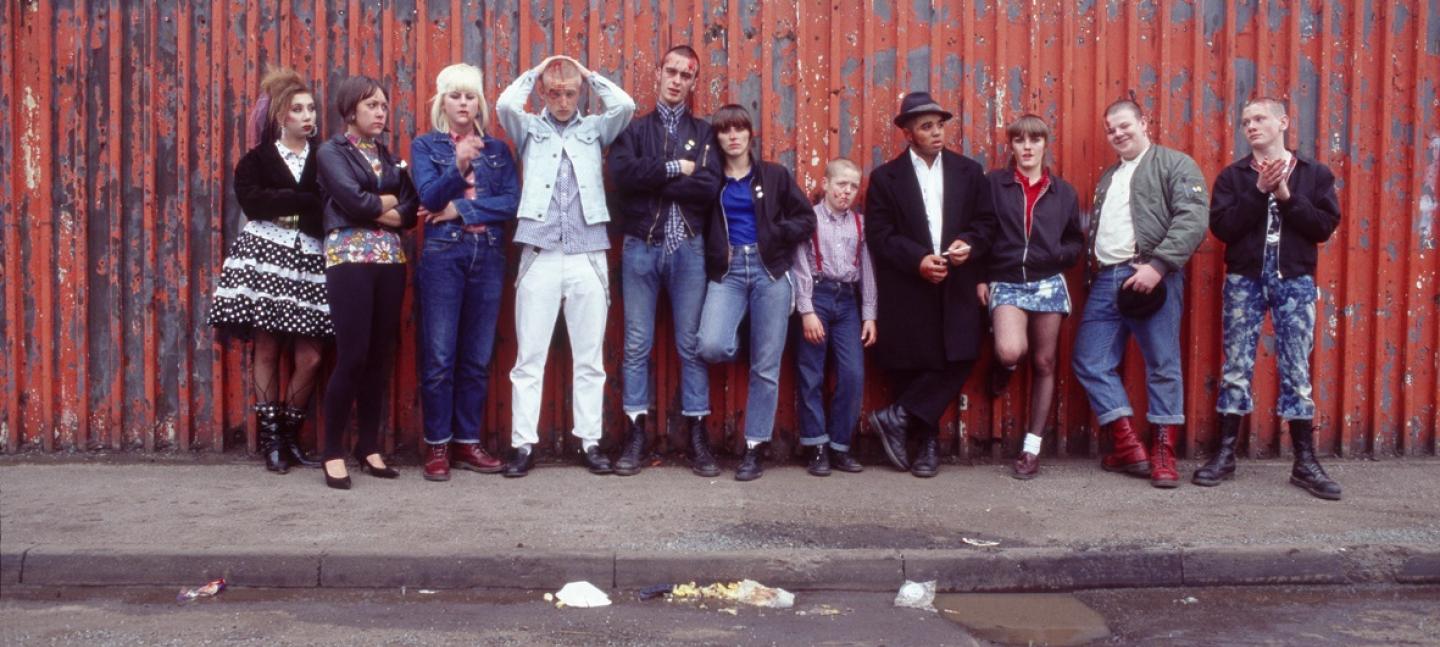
(561, 231)
(1272, 208)
(666, 176)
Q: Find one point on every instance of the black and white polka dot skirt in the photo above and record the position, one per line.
(273, 280)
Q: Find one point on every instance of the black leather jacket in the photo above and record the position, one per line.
(352, 190)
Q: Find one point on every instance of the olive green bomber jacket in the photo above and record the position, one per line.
(1169, 205)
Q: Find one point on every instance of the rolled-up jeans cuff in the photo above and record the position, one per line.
(1166, 420)
(1114, 414)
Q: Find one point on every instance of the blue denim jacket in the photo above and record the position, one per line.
(439, 182)
(540, 146)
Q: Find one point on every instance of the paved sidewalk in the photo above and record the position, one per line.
(91, 522)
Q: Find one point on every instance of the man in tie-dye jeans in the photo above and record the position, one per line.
(1272, 209)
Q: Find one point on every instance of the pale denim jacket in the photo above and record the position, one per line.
(539, 146)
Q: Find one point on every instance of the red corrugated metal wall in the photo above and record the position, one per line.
(120, 123)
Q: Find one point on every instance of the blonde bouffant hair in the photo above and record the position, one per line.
(465, 78)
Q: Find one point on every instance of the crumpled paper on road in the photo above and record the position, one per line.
(582, 595)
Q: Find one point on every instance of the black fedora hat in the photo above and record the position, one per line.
(1140, 305)
(919, 103)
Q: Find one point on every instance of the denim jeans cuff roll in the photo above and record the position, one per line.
(1114, 414)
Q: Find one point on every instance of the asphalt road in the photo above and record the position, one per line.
(1318, 616)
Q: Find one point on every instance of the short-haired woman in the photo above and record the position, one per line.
(1037, 238)
(272, 286)
(469, 188)
(369, 199)
(758, 219)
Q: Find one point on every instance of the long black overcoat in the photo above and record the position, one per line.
(922, 326)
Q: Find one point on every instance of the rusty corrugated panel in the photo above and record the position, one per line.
(120, 124)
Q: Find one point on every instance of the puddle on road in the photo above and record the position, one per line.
(1055, 619)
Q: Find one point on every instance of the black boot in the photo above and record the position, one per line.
(634, 449)
(844, 462)
(819, 461)
(290, 424)
(267, 436)
(1307, 473)
(893, 426)
(927, 462)
(702, 462)
(750, 468)
(1221, 466)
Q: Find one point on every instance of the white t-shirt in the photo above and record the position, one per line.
(1115, 236)
(932, 189)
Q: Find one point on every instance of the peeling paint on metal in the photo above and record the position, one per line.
(160, 89)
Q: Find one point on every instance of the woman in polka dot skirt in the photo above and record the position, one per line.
(272, 286)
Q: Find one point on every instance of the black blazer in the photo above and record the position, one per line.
(266, 189)
(930, 324)
(1238, 213)
(636, 168)
(784, 218)
(352, 190)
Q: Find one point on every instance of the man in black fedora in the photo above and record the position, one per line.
(928, 212)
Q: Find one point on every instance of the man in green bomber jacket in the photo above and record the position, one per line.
(1151, 211)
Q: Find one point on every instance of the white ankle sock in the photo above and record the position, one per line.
(635, 416)
(1032, 444)
(752, 444)
(585, 445)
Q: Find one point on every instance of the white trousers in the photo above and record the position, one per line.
(549, 281)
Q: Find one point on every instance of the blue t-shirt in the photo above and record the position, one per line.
(739, 207)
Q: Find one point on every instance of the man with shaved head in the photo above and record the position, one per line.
(561, 231)
(666, 176)
(1150, 214)
(1272, 208)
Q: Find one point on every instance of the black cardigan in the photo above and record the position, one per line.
(266, 189)
(352, 190)
(784, 218)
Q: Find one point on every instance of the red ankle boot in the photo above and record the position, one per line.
(1162, 458)
(1128, 454)
(437, 462)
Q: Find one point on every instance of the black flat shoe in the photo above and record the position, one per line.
(521, 460)
(386, 472)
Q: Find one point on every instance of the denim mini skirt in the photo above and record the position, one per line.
(1044, 295)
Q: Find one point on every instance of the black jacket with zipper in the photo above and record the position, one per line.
(784, 218)
(636, 168)
(266, 189)
(1239, 211)
(1056, 238)
(352, 190)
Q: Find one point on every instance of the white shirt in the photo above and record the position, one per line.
(932, 189)
(294, 161)
(1115, 236)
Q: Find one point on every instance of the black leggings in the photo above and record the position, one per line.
(365, 308)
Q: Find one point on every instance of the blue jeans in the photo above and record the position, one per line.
(644, 270)
(460, 278)
(1100, 346)
(839, 311)
(1291, 302)
(748, 288)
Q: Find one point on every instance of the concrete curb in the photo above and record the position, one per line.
(988, 569)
